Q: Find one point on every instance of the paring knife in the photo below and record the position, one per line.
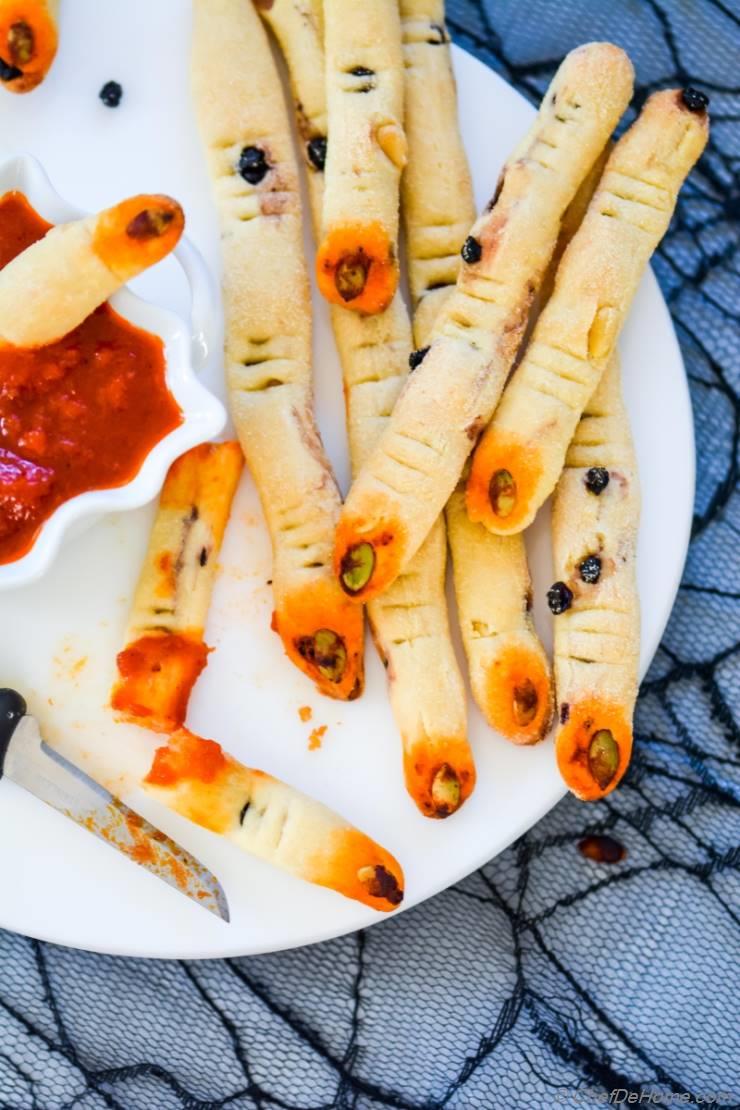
(27, 761)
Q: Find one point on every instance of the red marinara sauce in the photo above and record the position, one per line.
(80, 414)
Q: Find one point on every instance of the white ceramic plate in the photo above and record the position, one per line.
(60, 636)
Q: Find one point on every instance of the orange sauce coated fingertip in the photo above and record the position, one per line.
(518, 694)
(354, 865)
(28, 42)
(388, 543)
(305, 621)
(573, 739)
(424, 759)
(137, 233)
(368, 247)
(496, 453)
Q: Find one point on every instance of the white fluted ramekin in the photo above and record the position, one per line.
(185, 351)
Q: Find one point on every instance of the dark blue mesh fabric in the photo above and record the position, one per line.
(546, 978)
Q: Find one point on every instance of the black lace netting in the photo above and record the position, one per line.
(546, 975)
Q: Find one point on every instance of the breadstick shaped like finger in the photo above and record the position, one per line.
(436, 188)
(456, 384)
(165, 652)
(409, 623)
(269, 819)
(521, 455)
(595, 601)
(249, 148)
(53, 285)
(509, 672)
(28, 42)
(357, 261)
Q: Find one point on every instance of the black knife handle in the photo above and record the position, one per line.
(12, 710)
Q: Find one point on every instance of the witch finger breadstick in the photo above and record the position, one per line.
(595, 601)
(404, 485)
(509, 673)
(28, 42)
(436, 190)
(53, 285)
(520, 456)
(409, 623)
(357, 261)
(269, 819)
(268, 336)
(165, 652)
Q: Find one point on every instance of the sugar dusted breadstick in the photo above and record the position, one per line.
(165, 652)
(298, 28)
(451, 395)
(357, 261)
(28, 42)
(53, 285)
(509, 671)
(520, 456)
(595, 601)
(436, 189)
(268, 336)
(409, 623)
(268, 819)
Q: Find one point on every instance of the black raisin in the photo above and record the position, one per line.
(471, 250)
(564, 713)
(694, 99)
(362, 71)
(597, 479)
(316, 149)
(111, 94)
(590, 569)
(252, 164)
(203, 557)
(417, 357)
(9, 73)
(559, 598)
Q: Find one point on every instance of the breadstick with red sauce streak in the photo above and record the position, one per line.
(269, 819)
(165, 652)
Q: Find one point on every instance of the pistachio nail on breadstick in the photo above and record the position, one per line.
(165, 652)
(595, 601)
(357, 261)
(53, 285)
(509, 672)
(269, 819)
(452, 393)
(268, 336)
(436, 188)
(409, 623)
(28, 42)
(520, 456)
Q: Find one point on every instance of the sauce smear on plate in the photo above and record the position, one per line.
(78, 415)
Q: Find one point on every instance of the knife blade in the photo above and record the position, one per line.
(30, 763)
